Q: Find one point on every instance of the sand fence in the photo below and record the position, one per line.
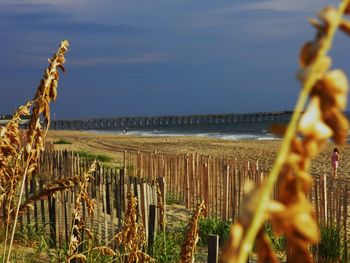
(189, 178)
(108, 188)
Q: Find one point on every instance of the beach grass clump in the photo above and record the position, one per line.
(277, 243)
(332, 247)
(167, 246)
(322, 101)
(34, 235)
(62, 141)
(92, 156)
(172, 198)
(213, 226)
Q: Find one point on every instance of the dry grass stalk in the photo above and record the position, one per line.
(133, 237)
(11, 169)
(46, 92)
(189, 246)
(106, 250)
(51, 189)
(292, 214)
(10, 157)
(11, 154)
(16, 160)
(78, 222)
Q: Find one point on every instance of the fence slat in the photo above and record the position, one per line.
(213, 249)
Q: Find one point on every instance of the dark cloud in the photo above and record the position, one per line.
(61, 23)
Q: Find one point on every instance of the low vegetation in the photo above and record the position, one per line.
(332, 247)
(213, 226)
(92, 156)
(172, 199)
(62, 141)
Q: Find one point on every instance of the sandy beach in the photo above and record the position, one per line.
(254, 150)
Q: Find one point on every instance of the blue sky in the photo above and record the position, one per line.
(159, 57)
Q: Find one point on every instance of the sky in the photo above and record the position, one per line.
(159, 57)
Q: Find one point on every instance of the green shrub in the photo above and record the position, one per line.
(278, 244)
(331, 248)
(92, 156)
(213, 226)
(62, 141)
(171, 199)
(167, 246)
(34, 235)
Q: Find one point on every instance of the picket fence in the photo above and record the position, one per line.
(108, 187)
(219, 181)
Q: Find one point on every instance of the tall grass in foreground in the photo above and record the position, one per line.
(291, 214)
(19, 153)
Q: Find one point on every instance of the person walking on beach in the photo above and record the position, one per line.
(335, 161)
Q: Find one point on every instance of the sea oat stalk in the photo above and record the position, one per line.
(47, 91)
(132, 236)
(293, 215)
(78, 222)
(10, 164)
(189, 246)
(51, 189)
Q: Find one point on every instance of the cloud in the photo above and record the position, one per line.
(278, 5)
(137, 59)
(35, 58)
(261, 21)
(51, 20)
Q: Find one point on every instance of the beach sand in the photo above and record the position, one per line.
(258, 150)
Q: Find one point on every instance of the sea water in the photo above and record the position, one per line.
(233, 131)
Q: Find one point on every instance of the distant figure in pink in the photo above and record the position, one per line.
(335, 161)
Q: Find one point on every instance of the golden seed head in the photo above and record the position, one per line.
(336, 85)
(329, 15)
(311, 124)
(347, 10)
(308, 53)
(345, 26)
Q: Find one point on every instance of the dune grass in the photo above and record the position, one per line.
(62, 141)
(92, 156)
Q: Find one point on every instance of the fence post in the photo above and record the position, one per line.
(144, 203)
(52, 219)
(213, 248)
(187, 176)
(325, 198)
(124, 162)
(162, 186)
(226, 191)
(206, 187)
(345, 221)
(151, 228)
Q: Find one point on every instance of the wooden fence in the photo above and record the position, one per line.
(108, 188)
(193, 177)
(330, 199)
(220, 182)
(189, 177)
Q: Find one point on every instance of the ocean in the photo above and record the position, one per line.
(234, 131)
